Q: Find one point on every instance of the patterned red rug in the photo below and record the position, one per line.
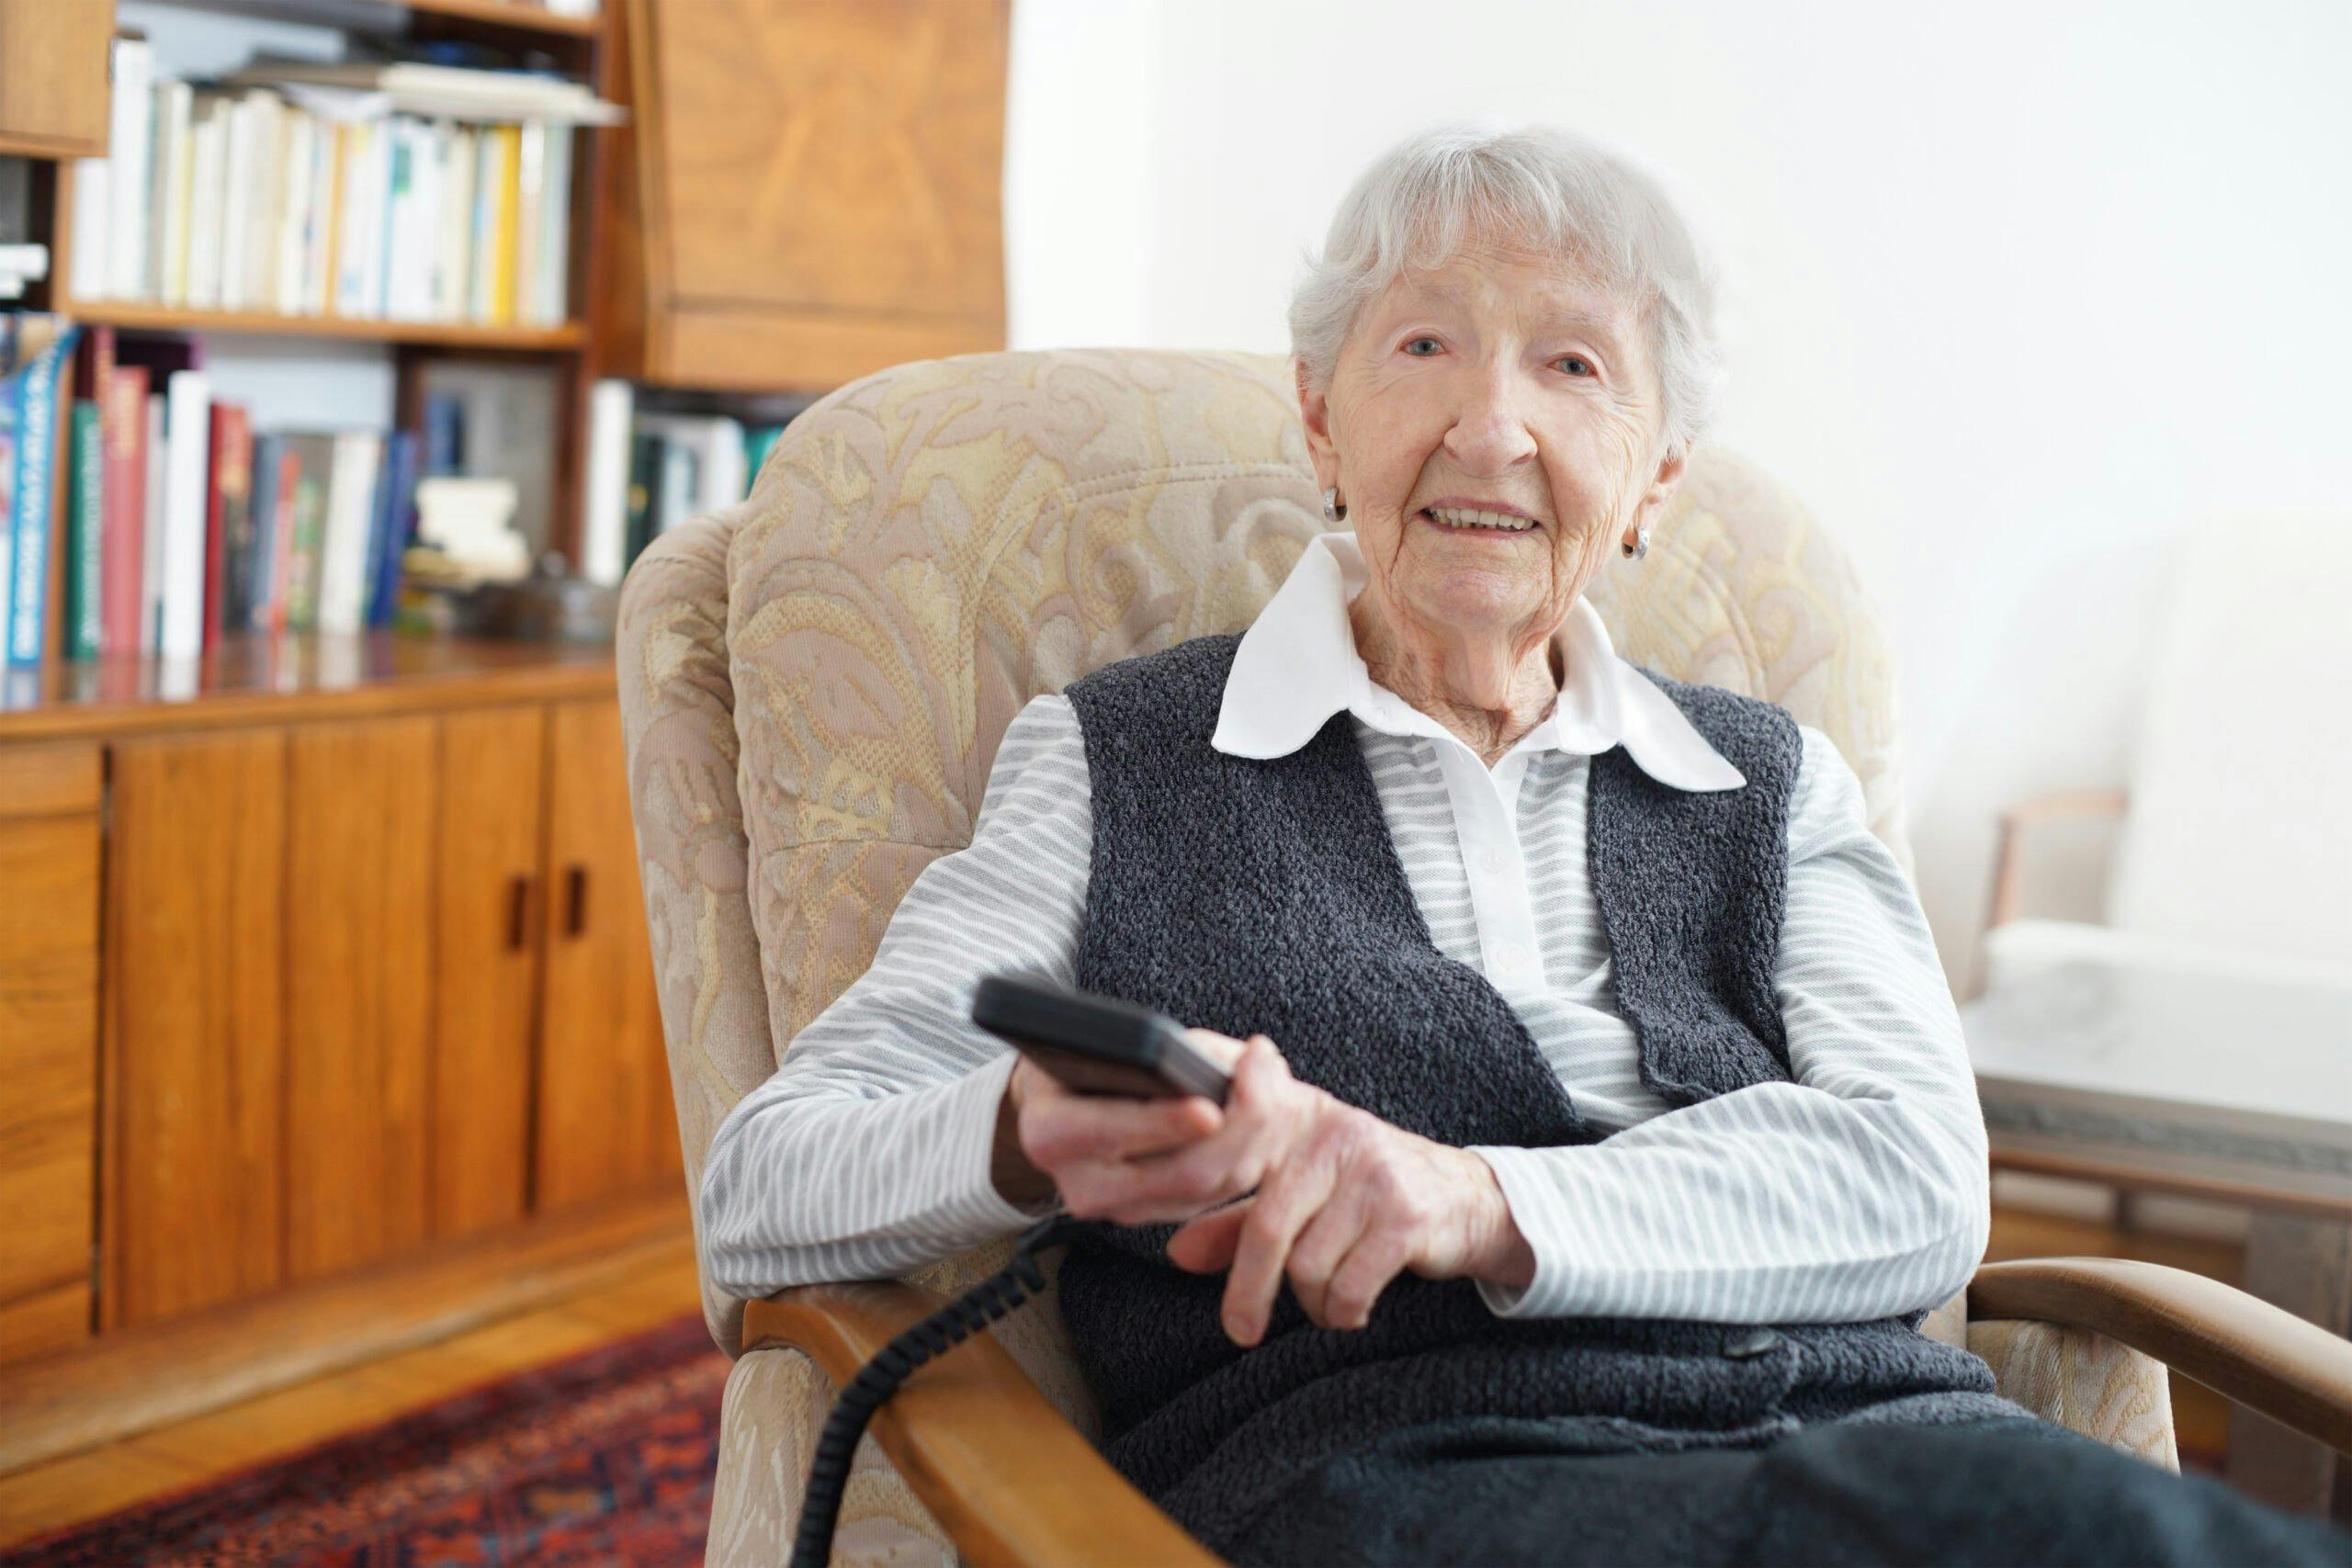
(605, 1457)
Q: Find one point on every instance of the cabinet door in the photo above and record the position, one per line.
(492, 906)
(191, 1197)
(49, 1042)
(54, 66)
(605, 1121)
(359, 919)
(823, 188)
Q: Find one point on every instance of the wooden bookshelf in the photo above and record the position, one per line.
(411, 858)
(135, 316)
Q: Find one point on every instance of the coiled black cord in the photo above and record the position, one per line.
(820, 1503)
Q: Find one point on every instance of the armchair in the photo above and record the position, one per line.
(814, 684)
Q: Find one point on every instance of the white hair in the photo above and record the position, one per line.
(1538, 189)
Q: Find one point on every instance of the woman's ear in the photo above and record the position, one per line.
(1315, 413)
(1662, 486)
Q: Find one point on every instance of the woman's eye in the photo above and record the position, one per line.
(1410, 342)
(1585, 365)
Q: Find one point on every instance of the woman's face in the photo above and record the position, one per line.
(1501, 381)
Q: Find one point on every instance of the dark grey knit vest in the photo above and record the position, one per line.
(1266, 897)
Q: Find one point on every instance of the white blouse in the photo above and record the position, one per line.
(1859, 1190)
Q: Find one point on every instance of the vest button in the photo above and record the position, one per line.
(1755, 1342)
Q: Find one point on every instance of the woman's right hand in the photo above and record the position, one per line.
(1050, 1137)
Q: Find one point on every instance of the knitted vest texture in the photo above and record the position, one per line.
(1266, 897)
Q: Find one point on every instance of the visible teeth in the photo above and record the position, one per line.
(1456, 517)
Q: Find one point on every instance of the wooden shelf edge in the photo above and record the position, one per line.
(377, 15)
(136, 316)
(137, 1379)
(505, 14)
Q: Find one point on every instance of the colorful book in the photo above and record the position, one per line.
(43, 353)
(122, 428)
(255, 577)
(86, 531)
(395, 518)
(227, 525)
(313, 465)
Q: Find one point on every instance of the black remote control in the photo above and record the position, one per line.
(1097, 1045)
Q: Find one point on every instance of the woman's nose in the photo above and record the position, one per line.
(1489, 431)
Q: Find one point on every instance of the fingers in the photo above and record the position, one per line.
(1205, 1242)
(1067, 1128)
(1265, 1112)
(1316, 1257)
(1287, 1201)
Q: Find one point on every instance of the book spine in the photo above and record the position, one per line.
(211, 179)
(400, 453)
(188, 421)
(86, 524)
(122, 421)
(235, 217)
(508, 190)
(130, 136)
(604, 533)
(351, 504)
(36, 453)
(282, 527)
(216, 523)
(481, 283)
(176, 148)
(294, 214)
(302, 564)
(254, 582)
(93, 216)
(154, 513)
(552, 293)
(11, 411)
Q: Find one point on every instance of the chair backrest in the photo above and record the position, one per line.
(2235, 838)
(814, 683)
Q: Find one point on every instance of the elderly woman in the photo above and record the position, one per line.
(1601, 1129)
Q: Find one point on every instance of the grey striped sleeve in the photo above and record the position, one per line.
(866, 1154)
(1859, 1190)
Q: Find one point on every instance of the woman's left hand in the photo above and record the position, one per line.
(1345, 1201)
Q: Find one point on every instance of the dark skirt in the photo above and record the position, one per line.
(1487, 1490)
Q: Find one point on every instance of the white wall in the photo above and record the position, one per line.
(2014, 291)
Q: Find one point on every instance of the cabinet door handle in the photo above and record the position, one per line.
(519, 904)
(575, 897)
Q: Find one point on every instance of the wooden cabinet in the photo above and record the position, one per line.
(49, 1042)
(54, 66)
(192, 1194)
(362, 902)
(606, 1119)
(809, 190)
(297, 999)
(492, 914)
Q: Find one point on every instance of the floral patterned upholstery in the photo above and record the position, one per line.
(814, 683)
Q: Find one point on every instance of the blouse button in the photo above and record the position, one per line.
(1491, 862)
(1755, 1342)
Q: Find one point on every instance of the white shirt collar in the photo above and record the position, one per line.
(1297, 665)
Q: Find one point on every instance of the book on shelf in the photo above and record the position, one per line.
(183, 522)
(35, 397)
(648, 471)
(277, 190)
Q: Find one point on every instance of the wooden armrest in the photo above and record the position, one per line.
(2262, 1356)
(1004, 1473)
(2009, 867)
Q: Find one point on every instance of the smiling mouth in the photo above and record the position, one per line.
(1487, 525)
